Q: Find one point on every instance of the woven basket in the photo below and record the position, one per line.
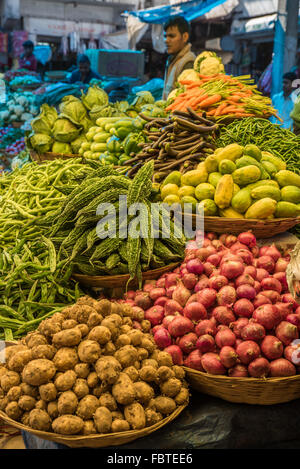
(16, 124)
(40, 158)
(95, 441)
(260, 228)
(264, 391)
(117, 281)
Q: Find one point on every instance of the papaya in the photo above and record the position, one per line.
(247, 160)
(173, 178)
(204, 191)
(207, 207)
(213, 178)
(226, 167)
(224, 191)
(246, 175)
(269, 167)
(186, 190)
(267, 156)
(169, 189)
(254, 151)
(194, 177)
(261, 209)
(266, 191)
(211, 163)
(230, 213)
(230, 152)
(171, 199)
(287, 178)
(286, 210)
(263, 182)
(290, 194)
(236, 188)
(188, 204)
(242, 200)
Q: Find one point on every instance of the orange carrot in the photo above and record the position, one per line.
(220, 108)
(210, 100)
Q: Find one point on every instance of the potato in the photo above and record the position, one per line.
(108, 369)
(100, 334)
(182, 397)
(84, 313)
(14, 393)
(10, 379)
(92, 380)
(142, 353)
(43, 351)
(84, 329)
(146, 325)
(164, 359)
(58, 317)
(165, 373)
(36, 339)
(144, 392)
(149, 374)
(151, 362)
(107, 400)
(125, 329)
(123, 390)
(29, 390)
(82, 370)
(25, 419)
(48, 392)
(70, 312)
(127, 310)
(109, 349)
(26, 403)
(135, 415)
(179, 371)
(87, 407)
(138, 315)
(112, 326)
(3, 403)
(152, 417)
(120, 426)
(38, 371)
(13, 411)
(89, 428)
(41, 405)
(165, 405)
(116, 308)
(69, 324)
(94, 320)
(67, 403)
(89, 351)
(135, 337)
(19, 360)
(39, 420)
(68, 425)
(126, 355)
(104, 307)
(122, 340)
(87, 300)
(49, 327)
(132, 372)
(116, 318)
(3, 371)
(117, 414)
(148, 344)
(2, 394)
(11, 350)
(171, 387)
(127, 322)
(52, 409)
(67, 338)
(137, 365)
(80, 388)
(65, 381)
(99, 390)
(103, 420)
(65, 359)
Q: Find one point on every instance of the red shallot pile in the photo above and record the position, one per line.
(226, 310)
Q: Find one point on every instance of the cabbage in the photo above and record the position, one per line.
(26, 116)
(64, 130)
(142, 98)
(18, 110)
(96, 112)
(41, 142)
(43, 123)
(76, 144)
(73, 109)
(94, 96)
(62, 148)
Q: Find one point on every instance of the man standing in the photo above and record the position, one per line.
(84, 73)
(284, 102)
(177, 33)
(27, 59)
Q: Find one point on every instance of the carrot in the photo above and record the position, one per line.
(220, 108)
(211, 113)
(235, 98)
(210, 100)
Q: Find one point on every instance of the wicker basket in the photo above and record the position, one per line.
(40, 158)
(267, 391)
(117, 281)
(260, 228)
(16, 124)
(95, 441)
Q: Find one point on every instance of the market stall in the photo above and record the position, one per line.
(119, 316)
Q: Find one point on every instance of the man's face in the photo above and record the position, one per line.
(28, 51)
(84, 68)
(287, 86)
(175, 41)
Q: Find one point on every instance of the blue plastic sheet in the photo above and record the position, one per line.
(190, 11)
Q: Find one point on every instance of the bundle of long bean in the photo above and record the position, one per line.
(179, 142)
(267, 136)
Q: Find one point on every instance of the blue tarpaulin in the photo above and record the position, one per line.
(190, 11)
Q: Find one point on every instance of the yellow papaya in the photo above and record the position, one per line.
(186, 190)
(266, 191)
(230, 152)
(291, 194)
(241, 201)
(224, 191)
(254, 151)
(267, 156)
(211, 163)
(204, 191)
(173, 178)
(214, 178)
(194, 177)
(227, 166)
(261, 209)
(263, 182)
(246, 175)
(286, 210)
(287, 178)
(207, 207)
(169, 189)
(230, 213)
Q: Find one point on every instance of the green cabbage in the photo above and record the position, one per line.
(76, 144)
(64, 130)
(44, 122)
(62, 148)
(41, 142)
(142, 98)
(73, 109)
(94, 96)
(96, 112)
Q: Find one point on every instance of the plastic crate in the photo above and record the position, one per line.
(117, 63)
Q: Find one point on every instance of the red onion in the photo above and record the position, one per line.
(202, 283)
(255, 251)
(161, 282)
(261, 300)
(238, 371)
(244, 279)
(207, 297)
(215, 273)
(259, 368)
(230, 240)
(167, 319)
(181, 294)
(206, 343)
(218, 245)
(273, 252)
(175, 353)
(208, 268)
(286, 332)
(268, 316)
(214, 259)
(217, 282)
(180, 326)
(156, 293)
(155, 315)
(143, 300)
(281, 265)
(285, 309)
(288, 298)
(228, 356)
(261, 274)
(225, 337)
(293, 319)
(292, 353)
(193, 360)
(231, 269)
(203, 253)
(210, 235)
(253, 331)
(171, 279)
(246, 255)
(195, 311)
(281, 276)
(161, 301)
(195, 266)
(246, 291)
(229, 256)
(250, 270)
(223, 315)
(257, 287)
(271, 283)
(247, 238)
(148, 287)
(189, 281)
(170, 290)
(248, 351)
(267, 263)
(282, 367)
(172, 307)
(226, 296)
(238, 325)
(207, 326)
(273, 295)
(157, 328)
(212, 364)
(187, 343)
(271, 347)
(162, 338)
(130, 295)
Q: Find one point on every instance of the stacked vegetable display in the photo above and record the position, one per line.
(226, 309)
(87, 371)
(18, 108)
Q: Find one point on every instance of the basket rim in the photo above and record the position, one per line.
(247, 220)
(96, 437)
(241, 380)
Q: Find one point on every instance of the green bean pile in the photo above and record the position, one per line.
(267, 136)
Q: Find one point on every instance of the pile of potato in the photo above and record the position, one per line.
(87, 370)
